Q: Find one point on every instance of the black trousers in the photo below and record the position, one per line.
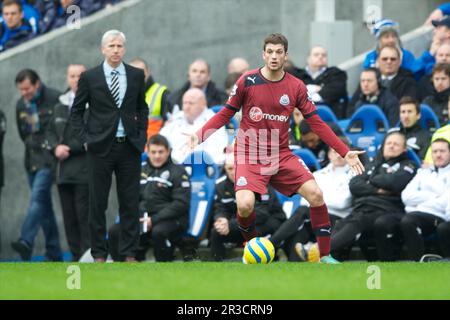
(75, 208)
(164, 237)
(358, 224)
(296, 229)
(415, 226)
(218, 250)
(443, 231)
(124, 160)
(388, 238)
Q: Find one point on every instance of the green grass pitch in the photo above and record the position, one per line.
(227, 281)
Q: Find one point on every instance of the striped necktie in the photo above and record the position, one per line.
(115, 86)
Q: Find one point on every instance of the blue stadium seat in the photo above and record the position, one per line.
(428, 119)
(367, 128)
(326, 114)
(289, 204)
(412, 155)
(308, 158)
(203, 174)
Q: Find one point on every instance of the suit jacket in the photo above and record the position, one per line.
(103, 118)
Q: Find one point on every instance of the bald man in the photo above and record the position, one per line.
(325, 84)
(238, 65)
(193, 116)
(199, 77)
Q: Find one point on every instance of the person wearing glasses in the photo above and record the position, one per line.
(394, 78)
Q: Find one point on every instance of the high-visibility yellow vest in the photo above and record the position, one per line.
(441, 133)
(153, 98)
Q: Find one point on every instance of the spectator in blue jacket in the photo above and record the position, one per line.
(386, 34)
(14, 29)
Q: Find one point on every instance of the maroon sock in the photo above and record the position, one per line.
(320, 222)
(247, 226)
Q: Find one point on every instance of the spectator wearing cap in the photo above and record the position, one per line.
(441, 36)
(439, 13)
(386, 34)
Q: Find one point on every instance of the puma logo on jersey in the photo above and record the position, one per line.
(252, 79)
(326, 230)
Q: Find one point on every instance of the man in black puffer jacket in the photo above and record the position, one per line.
(376, 192)
(325, 84)
(164, 198)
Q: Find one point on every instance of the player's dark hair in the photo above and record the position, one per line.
(158, 140)
(27, 74)
(276, 38)
(410, 100)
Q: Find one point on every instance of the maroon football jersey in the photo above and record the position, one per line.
(266, 109)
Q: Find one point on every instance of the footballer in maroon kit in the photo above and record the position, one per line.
(267, 97)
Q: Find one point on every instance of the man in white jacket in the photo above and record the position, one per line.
(193, 116)
(426, 200)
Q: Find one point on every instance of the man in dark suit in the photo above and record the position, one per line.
(114, 137)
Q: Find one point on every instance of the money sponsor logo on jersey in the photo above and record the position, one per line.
(257, 115)
(284, 100)
(242, 181)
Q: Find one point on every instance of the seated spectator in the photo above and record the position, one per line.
(199, 77)
(439, 100)
(371, 91)
(238, 65)
(417, 138)
(225, 229)
(396, 79)
(386, 34)
(30, 14)
(165, 197)
(333, 180)
(56, 14)
(325, 84)
(14, 29)
(312, 141)
(441, 133)
(156, 97)
(425, 83)
(193, 116)
(426, 198)
(376, 193)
